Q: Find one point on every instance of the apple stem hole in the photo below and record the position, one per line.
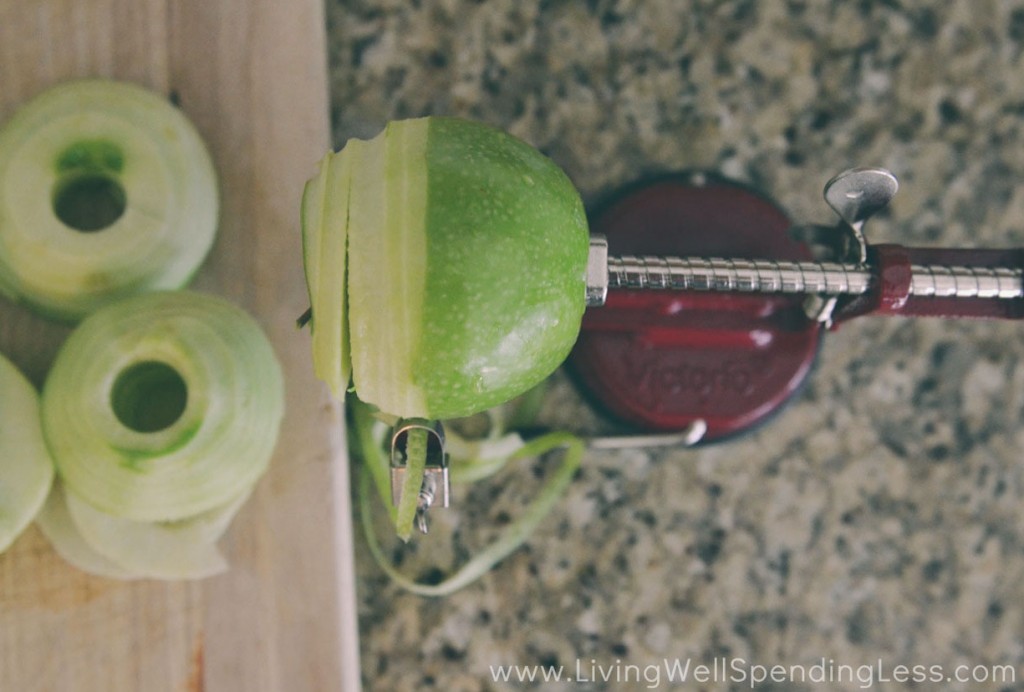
(89, 201)
(149, 396)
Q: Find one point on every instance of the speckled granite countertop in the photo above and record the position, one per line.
(879, 520)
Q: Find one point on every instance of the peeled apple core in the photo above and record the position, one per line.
(162, 412)
(106, 190)
(163, 406)
(445, 262)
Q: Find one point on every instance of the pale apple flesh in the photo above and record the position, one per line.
(163, 406)
(26, 468)
(96, 143)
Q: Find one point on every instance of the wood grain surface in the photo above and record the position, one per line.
(252, 76)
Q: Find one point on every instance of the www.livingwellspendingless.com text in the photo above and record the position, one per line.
(739, 671)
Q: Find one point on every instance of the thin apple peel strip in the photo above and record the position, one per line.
(416, 466)
(369, 435)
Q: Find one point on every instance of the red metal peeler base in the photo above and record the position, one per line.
(659, 360)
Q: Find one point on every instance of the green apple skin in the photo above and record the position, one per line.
(507, 244)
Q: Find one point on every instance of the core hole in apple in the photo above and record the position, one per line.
(149, 396)
(89, 201)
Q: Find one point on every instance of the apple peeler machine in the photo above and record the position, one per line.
(707, 306)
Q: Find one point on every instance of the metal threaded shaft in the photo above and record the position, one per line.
(966, 282)
(821, 278)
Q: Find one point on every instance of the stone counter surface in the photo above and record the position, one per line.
(879, 520)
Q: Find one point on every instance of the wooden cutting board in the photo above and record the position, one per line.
(252, 76)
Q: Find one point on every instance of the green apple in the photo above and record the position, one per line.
(463, 281)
